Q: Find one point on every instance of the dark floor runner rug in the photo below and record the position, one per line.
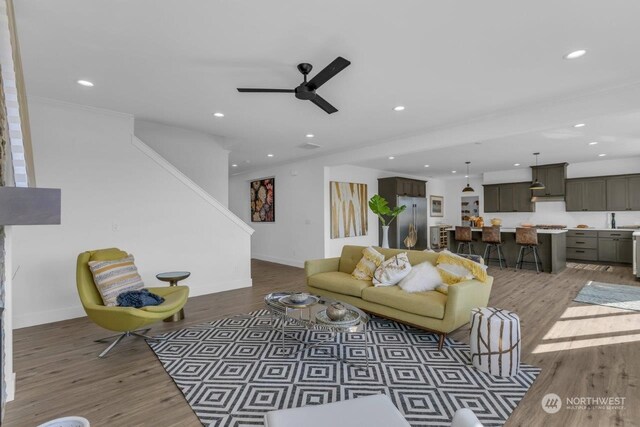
(232, 372)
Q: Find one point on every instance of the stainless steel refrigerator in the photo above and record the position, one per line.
(416, 214)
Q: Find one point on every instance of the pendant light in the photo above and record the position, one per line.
(468, 188)
(536, 185)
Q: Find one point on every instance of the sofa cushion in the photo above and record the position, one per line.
(115, 277)
(339, 282)
(352, 254)
(429, 304)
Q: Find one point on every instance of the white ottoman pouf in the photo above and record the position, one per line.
(495, 341)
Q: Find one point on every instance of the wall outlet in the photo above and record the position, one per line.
(115, 226)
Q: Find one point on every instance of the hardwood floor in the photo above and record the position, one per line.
(583, 350)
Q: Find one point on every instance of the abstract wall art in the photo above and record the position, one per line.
(349, 209)
(263, 201)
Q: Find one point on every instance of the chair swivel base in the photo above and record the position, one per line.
(175, 317)
(140, 333)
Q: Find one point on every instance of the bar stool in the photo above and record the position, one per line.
(491, 236)
(527, 238)
(464, 238)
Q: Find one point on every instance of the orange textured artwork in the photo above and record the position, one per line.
(349, 209)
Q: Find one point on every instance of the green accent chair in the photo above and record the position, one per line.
(126, 320)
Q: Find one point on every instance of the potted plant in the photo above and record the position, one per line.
(380, 207)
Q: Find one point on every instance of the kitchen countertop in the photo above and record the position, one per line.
(603, 229)
(513, 230)
(636, 234)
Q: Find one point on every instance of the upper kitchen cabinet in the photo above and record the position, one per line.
(586, 194)
(509, 197)
(553, 177)
(402, 187)
(623, 193)
(492, 198)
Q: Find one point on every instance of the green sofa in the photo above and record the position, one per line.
(432, 310)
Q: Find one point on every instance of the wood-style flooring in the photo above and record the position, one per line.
(583, 350)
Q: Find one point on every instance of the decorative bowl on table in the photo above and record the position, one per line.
(336, 311)
(298, 297)
(496, 221)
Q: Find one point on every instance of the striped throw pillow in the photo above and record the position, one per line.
(115, 277)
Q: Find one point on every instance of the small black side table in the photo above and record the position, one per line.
(173, 277)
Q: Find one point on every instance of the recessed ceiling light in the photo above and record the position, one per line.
(398, 108)
(516, 164)
(309, 135)
(269, 155)
(575, 54)
(593, 143)
(391, 157)
(218, 114)
(234, 165)
(86, 83)
(466, 176)
(454, 171)
(601, 155)
(426, 166)
(579, 125)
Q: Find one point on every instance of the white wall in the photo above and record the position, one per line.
(115, 193)
(297, 233)
(199, 156)
(303, 214)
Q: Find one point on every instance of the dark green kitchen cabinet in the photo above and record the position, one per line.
(623, 193)
(634, 193)
(508, 197)
(586, 195)
(553, 177)
(615, 246)
(491, 198)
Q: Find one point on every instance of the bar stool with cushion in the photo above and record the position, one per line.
(492, 237)
(527, 239)
(464, 238)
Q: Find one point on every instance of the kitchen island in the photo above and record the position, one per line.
(552, 248)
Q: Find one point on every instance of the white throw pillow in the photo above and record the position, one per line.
(422, 277)
(392, 270)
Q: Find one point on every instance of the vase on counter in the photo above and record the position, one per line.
(385, 236)
(613, 220)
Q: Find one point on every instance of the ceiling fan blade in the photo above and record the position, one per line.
(243, 89)
(328, 72)
(322, 103)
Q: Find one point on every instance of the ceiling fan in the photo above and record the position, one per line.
(307, 89)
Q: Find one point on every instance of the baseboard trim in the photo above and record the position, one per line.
(290, 262)
(50, 316)
(11, 386)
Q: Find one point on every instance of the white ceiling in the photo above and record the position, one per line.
(447, 62)
(617, 136)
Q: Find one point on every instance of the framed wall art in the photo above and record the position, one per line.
(262, 199)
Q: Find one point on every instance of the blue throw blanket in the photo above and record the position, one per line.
(139, 299)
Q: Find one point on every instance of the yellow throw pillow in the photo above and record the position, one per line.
(453, 273)
(114, 277)
(371, 259)
(479, 271)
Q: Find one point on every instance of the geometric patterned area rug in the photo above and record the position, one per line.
(592, 267)
(619, 296)
(231, 372)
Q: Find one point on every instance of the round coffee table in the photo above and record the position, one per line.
(173, 277)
